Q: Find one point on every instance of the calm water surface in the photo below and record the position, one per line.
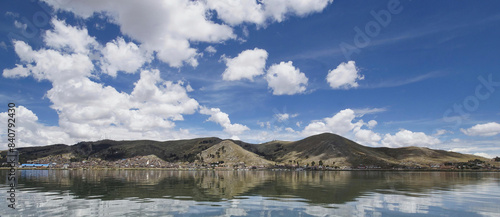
(252, 193)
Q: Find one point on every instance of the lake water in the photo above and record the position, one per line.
(252, 193)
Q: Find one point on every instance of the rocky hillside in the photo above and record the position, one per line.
(232, 154)
(329, 149)
(336, 150)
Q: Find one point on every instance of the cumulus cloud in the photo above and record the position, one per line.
(408, 138)
(167, 27)
(246, 65)
(49, 64)
(343, 123)
(211, 50)
(221, 118)
(33, 133)
(485, 155)
(258, 12)
(488, 129)
(367, 137)
(170, 26)
(285, 79)
(69, 38)
(281, 117)
(345, 76)
(121, 56)
(166, 30)
(68, 58)
(237, 12)
(89, 110)
(280, 8)
(372, 123)
(485, 149)
(18, 72)
(347, 123)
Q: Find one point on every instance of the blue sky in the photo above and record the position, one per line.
(382, 73)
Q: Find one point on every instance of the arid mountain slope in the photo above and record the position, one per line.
(232, 154)
(330, 149)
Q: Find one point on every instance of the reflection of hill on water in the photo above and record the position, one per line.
(329, 187)
(120, 184)
(342, 186)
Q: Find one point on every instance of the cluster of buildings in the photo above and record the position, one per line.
(150, 161)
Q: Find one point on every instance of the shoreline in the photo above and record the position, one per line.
(274, 170)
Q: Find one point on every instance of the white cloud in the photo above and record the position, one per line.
(285, 79)
(18, 72)
(12, 14)
(70, 59)
(408, 138)
(166, 27)
(3, 45)
(488, 129)
(298, 123)
(162, 98)
(246, 65)
(344, 124)
(211, 50)
(484, 148)
(264, 124)
(462, 150)
(258, 12)
(20, 25)
(440, 132)
(32, 133)
(170, 26)
(221, 118)
(65, 37)
(121, 56)
(278, 9)
(367, 137)
(89, 110)
(366, 111)
(372, 123)
(49, 64)
(345, 76)
(245, 32)
(341, 123)
(281, 117)
(237, 12)
(485, 155)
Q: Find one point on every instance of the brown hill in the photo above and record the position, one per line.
(170, 151)
(336, 150)
(330, 149)
(232, 154)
